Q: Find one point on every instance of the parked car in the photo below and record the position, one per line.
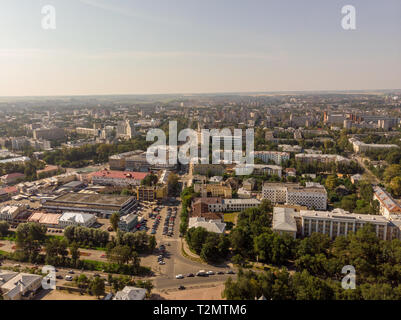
(201, 273)
(181, 288)
(190, 275)
(220, 272)
(179, 276)
(71, 272)
(230, 272)
(210, 273)
(68, 278)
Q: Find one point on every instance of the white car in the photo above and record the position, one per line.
(161, 262)
(179, 276)
(68, 278)
(210, 273)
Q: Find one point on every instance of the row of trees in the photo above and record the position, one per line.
(318, 262)
(86, 236)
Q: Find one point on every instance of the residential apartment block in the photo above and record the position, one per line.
(276, 156)
(324, 158)
(311, 196)
(360, 147)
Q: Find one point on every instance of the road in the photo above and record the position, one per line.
(164, 277)
(373, 179)
(176, 263)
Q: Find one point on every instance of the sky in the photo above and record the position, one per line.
(197, 46)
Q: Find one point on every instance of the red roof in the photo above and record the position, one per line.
(14, 175)
(120, 174)
(8, 190)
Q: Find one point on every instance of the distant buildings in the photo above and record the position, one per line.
(208, 169)
(259, 169)
(125, 129)
(323, 158)
(311, 196)
(18, 160)
(49, 134)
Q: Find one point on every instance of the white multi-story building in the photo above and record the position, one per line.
(276, 156)
(337, 222)
(314, 196)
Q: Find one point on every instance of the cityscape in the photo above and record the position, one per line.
(86, 215)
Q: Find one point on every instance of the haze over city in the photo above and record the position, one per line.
(138, 47)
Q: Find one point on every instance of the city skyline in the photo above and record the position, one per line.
(191, 47)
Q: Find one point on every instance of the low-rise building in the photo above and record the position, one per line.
(19, 286)
(213, 190)
(118, 178)
(128, 222)
(9, 213)
(50, 220)
(130, 293)
(215, 226)
(151, 193)
(12, 177)
(388, 206)
(77, 219)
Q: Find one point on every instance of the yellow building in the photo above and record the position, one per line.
(146, 193)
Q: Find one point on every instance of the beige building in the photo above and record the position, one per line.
(213, 190)
(313, 196)
(337, 222)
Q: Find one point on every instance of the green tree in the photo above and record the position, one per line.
(114, 220)
(395, 186)
(97, 287)
(4, 226)
(74, 252)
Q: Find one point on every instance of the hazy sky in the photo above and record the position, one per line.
(191, 46)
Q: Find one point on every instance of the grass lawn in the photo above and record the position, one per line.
(231, 217)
